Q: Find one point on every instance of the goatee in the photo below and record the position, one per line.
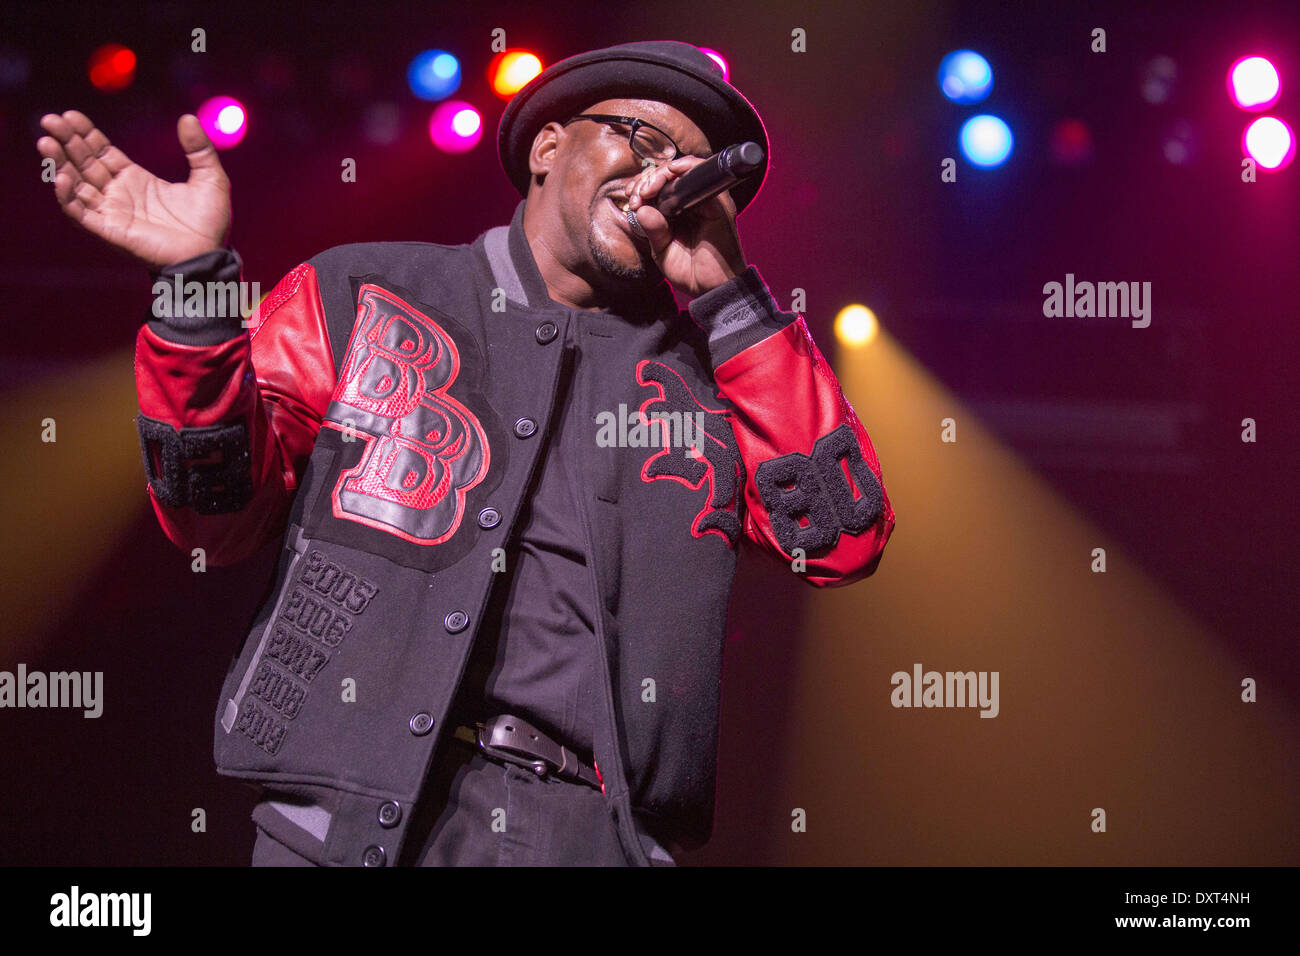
(600, 253)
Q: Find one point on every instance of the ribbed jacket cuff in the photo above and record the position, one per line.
(169, 318)
(737, 314)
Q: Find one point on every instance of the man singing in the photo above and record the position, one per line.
(511, 478)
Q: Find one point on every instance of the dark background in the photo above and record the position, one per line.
(853, 210)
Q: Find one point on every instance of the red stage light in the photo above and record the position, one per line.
(1071, 141)
(111, 67)
(510, 71)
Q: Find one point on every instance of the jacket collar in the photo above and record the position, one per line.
(515, 270)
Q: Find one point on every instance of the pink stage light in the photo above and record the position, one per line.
(225, 121)
(1270, 142)
(1253, 83)
(455, 127)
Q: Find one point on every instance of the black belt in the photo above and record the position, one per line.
(518, 742)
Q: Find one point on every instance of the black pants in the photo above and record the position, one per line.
(477, 812)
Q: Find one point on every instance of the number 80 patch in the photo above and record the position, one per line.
(815, 489)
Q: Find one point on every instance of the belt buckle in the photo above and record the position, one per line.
(492, 737)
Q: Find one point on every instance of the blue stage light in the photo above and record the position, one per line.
(986, 140)
(433, 75)
(965, 76)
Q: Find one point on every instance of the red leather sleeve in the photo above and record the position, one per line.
(277, 379)
(786, 398)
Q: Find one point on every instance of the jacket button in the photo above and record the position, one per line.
(489, 518)
(373, 856)
(390, 814)
(421, 724)
(455, 622)
(525, 427)
(546, 332)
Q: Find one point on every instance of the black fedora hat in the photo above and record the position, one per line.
(678, 74)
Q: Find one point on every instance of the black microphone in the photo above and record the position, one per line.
(717, 174)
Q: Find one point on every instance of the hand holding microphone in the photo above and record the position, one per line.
(716, 174)
(687, 219)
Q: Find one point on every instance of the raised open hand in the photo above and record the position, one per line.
(160, 223)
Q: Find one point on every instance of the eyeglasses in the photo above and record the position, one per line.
(649, 143)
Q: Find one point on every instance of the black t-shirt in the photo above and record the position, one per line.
(535, 655)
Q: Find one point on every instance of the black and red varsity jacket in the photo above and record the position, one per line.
(383, 415)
